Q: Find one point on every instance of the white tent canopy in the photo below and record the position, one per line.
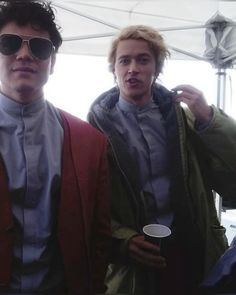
(193, 29)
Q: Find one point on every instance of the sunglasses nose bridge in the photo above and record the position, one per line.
(24, 48)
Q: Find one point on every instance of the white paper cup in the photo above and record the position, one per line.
(154, 233)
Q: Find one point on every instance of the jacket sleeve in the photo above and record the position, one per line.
(218, 148)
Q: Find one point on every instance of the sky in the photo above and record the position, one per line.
(78, 80)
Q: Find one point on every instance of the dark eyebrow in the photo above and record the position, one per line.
(144, 55)
(124, 56)
(138, 55)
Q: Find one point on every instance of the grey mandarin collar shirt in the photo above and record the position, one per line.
(31, 137)
(142, 128)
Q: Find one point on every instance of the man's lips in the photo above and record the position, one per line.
(133, 81)
(24, 69)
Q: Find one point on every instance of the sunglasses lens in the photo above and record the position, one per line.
(41, 48)
(9, 44)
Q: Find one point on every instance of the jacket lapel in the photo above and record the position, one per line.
(71, 218)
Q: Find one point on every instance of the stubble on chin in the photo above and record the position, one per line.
(25, 93)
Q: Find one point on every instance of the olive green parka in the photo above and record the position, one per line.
(201, 161)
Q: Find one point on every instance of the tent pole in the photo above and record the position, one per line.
(221, 85)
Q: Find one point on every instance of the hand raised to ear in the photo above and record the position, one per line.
(195, 100)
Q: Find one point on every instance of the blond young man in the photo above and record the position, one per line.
(165, 160)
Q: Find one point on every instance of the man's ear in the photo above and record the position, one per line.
(53, 61)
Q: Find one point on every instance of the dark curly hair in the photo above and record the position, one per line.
(39, 14)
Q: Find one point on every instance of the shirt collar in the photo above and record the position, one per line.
(18, 109)
(129, 107)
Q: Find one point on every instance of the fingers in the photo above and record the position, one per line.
(140, 242)
(195, 100)
(146, 253)
(188, 88)
(188, 94)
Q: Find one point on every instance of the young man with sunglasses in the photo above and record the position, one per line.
(54, 216)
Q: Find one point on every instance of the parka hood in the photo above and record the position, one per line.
(107, 100)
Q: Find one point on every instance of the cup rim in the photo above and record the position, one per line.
(166, 234)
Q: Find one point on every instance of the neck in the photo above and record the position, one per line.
(138, 100)
(23, 97)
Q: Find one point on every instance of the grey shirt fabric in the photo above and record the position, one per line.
(142, 128)
(31, 139)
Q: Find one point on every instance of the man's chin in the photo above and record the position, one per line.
(136, 96)
(24, 88)
(26, 93)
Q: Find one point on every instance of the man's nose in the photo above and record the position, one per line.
(133, 67)
(24, 51)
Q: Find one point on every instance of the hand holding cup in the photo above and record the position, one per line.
(154, 233)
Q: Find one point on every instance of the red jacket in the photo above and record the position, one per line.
(83, 215)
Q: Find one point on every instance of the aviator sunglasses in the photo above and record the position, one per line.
(40, 48)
